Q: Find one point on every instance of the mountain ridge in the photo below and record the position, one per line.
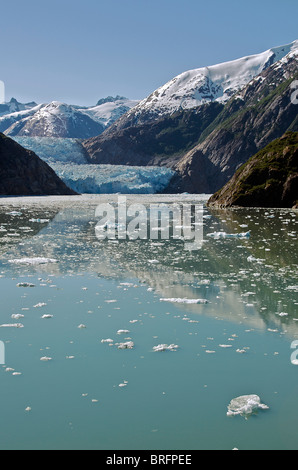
(221, 144)
(58, 119)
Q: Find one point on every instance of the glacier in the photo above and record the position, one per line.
(55, 149)
(111, 179)
(68, 159)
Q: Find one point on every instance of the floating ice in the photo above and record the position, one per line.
(17, 316)
(108, 340)
(12, 325)
(184, 301)
(121, 332)
(252, 259)
(46, 359)
(245, 405)
(40, 221)
(165, 347)
(81, 326)
(127, 345)
(47, 316)
(25, 284)
(14, 213)
(33, 261)
(218, 235)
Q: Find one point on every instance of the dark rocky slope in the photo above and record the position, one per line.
(23, 173)
(262, 112)
(160, 142)
(268, 179)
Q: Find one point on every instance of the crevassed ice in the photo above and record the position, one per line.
(53, 149)
(67, 157)
(111, 179)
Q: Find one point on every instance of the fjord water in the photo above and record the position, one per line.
(92, 395)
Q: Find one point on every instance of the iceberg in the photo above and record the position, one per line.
(32, 261)
(165, 347)
(127, 345)
(218, 235)
(245, 405)
(185, 301)
(25, 284)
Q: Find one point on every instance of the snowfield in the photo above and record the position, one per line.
(214, 83)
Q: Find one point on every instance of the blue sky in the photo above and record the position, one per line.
(78, 51)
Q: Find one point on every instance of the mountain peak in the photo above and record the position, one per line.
(110, 99)
(217, 82)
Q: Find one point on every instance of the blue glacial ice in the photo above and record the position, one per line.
(53, 149)
(109, 179)
(68, 159)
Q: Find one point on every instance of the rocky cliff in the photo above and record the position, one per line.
(23, 173)
(268, 179)
(262, 112)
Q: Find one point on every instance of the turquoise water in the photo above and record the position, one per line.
(168, 400)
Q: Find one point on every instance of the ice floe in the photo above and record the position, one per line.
(25, 284)
(219, 235)
(17, 316)
(245, 405)
(165, 347)
(40, 221)
(32, 261)
(184, 301)
(126, 345)
(12, 325)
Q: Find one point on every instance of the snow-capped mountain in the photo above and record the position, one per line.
(109, 109)
(58, 119)
(13, 106)
(206, 144)
(214, 83)
(9, 118)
